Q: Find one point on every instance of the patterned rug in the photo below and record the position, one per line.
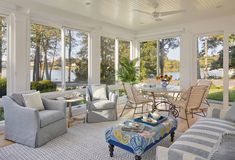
(82, 142)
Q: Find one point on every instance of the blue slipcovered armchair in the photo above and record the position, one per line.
(31, 127)
(101, 104)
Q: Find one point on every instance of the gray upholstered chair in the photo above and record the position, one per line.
(101, 104)
(29, 126)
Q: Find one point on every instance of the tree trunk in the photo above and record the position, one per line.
(161, 57)
(46, 68)
(36, 68)
(53, 58)
(69, 56)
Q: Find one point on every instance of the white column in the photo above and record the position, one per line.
(18, 70)
(187, 59)
(63, 61)
(135, 52)
(226, 69)
(94, 57)
(135, 49)
(116, 59)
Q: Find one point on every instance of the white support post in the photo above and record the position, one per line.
(186, 61)
(63, 61)
(18, 70)
(136, 52)
(131, 50)
(116, 59)
(226, 70)
(94, 58)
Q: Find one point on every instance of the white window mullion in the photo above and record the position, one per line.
(63, 72)
(157, 52)
(226, 69)
(116, 58)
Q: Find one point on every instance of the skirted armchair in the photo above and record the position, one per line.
(31, 127)
(101, 104)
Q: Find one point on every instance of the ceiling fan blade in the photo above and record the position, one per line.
(144, 12)
(170, 12)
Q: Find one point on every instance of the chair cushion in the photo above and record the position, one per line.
(99, 92)
(19, 99)
(224, 148)
(200, 139)
(49, 116)
(102, 105)
(33, 100)
(229, 116)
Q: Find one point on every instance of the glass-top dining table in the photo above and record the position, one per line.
(162, 93)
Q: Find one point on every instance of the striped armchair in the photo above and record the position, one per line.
(198, 142)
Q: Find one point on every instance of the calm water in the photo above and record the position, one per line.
(56, 74)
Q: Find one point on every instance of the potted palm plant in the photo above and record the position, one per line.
(127, 71)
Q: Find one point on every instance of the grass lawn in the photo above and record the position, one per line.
(216, 93)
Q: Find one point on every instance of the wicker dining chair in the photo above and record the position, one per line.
(207, 83)
(192, 103)
(135, 99)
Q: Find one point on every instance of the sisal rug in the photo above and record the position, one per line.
(82, 142)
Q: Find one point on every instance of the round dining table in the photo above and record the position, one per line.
(156, 90)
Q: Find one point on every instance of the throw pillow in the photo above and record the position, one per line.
(33, 100)
(18, 98)
(230, 115)
(224, 149)
(99, 92)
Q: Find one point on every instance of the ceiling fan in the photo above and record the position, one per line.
(157, 15)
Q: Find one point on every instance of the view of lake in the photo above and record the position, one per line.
(56, 74)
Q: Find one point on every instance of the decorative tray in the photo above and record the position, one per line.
(130, 126)
(152, 121)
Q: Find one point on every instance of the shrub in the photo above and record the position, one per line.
(43, 86)
(3, 87)
(1, 114)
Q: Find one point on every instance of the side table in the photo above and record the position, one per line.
(69, 102)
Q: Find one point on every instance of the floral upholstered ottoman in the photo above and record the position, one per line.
(139, 142)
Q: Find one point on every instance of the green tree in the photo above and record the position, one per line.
(204, 60)
(3, 46)
(164, 46)
(81, 60)
(124, 49)
(44, 44)
(148, 59)
(151, 61)
(107, 60)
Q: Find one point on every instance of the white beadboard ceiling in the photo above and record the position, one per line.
(120, 12)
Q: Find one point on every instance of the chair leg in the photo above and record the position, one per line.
(203, 113)
(192, 114)
(134, 111)
(123, 109)
(186, 115)
(142, 108)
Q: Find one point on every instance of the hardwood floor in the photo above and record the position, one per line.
(182, 125)
(4, 142)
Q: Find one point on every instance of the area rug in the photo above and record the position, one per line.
(82, 142)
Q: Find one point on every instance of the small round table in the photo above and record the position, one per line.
(158, 89)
